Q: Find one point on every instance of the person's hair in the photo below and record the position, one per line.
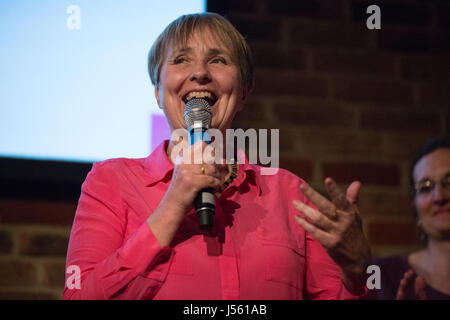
(179, 31)
(428, 147)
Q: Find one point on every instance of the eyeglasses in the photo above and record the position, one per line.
(426, 186)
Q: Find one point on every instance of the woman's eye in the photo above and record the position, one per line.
(426, 186)
(218, 60)
(179, 60)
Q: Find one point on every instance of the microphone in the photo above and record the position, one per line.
(197, 116)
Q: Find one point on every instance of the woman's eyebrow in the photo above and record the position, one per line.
(216, 51)
(210, 52)
(424, 179)
(182, 50)
(428, 178)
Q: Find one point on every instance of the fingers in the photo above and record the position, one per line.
(401, 292)
(405, 290)
(323, 237)
(194, 171)
(317, 218)
(339, 200)
(194, 154)
(412, 286)
(205, 181)
(206, 169)
(322, 203)
(337, 196)
(420, 288)
(193, 175)
(353, 192)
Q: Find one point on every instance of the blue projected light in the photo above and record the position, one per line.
(73, 77)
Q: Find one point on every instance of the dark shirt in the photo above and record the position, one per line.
(392, 271)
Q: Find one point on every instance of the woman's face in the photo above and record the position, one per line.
(433, 204)
(203, 68)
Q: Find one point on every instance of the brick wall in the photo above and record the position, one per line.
(351, 103)
(34, 235)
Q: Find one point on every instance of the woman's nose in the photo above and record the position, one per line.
(440, 193)
(200, 73)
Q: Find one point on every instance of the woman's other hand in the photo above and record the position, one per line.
(337, 225)
(412, 287)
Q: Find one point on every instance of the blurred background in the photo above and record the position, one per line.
(350, 103)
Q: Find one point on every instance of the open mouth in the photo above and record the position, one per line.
(207, 95)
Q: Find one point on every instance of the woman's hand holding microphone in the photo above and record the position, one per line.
(188, 179)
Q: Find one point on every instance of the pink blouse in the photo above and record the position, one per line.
(255, 251)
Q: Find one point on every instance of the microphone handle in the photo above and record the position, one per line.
(204, 203)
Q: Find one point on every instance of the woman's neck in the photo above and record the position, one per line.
(438, 257)
(433, 264)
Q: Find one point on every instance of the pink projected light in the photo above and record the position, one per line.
(160, 130)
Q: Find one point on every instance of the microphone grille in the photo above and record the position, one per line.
(197, 110)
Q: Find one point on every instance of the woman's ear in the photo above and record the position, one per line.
(157, 96)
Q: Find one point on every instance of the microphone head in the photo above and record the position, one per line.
(197, 111)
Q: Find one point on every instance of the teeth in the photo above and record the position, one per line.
(198, 94)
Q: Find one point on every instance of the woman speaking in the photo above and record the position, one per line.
(136, 235)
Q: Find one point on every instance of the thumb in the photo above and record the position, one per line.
(353, 192)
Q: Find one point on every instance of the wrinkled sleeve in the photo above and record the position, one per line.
(110, 267)
(323, 275)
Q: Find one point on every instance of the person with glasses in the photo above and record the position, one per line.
(424, 274)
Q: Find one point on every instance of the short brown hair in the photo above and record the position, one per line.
(179, 31)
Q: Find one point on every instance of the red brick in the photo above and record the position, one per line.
(329, 34)
(435, 95)
(6, 241)
(42, 244)
(371, 91)
(444, 16)
(314, 114)
(17, 272)
(407, 39)
(319, 9)
(269, 82)
(232, 6)
(254, 111)
(413, 39)
(441, 39)
(400, 121)
(287, 140)
(324, 143)
(447, 124)
(257, 28)
(366, 173)
(349, 62)
(268, 55)
(54, 274)
(384, 203)
(426, 67)
(36, 211)
(300, 167)
(408, 13)
(391, 233)
(31, 294)
(403, 146)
